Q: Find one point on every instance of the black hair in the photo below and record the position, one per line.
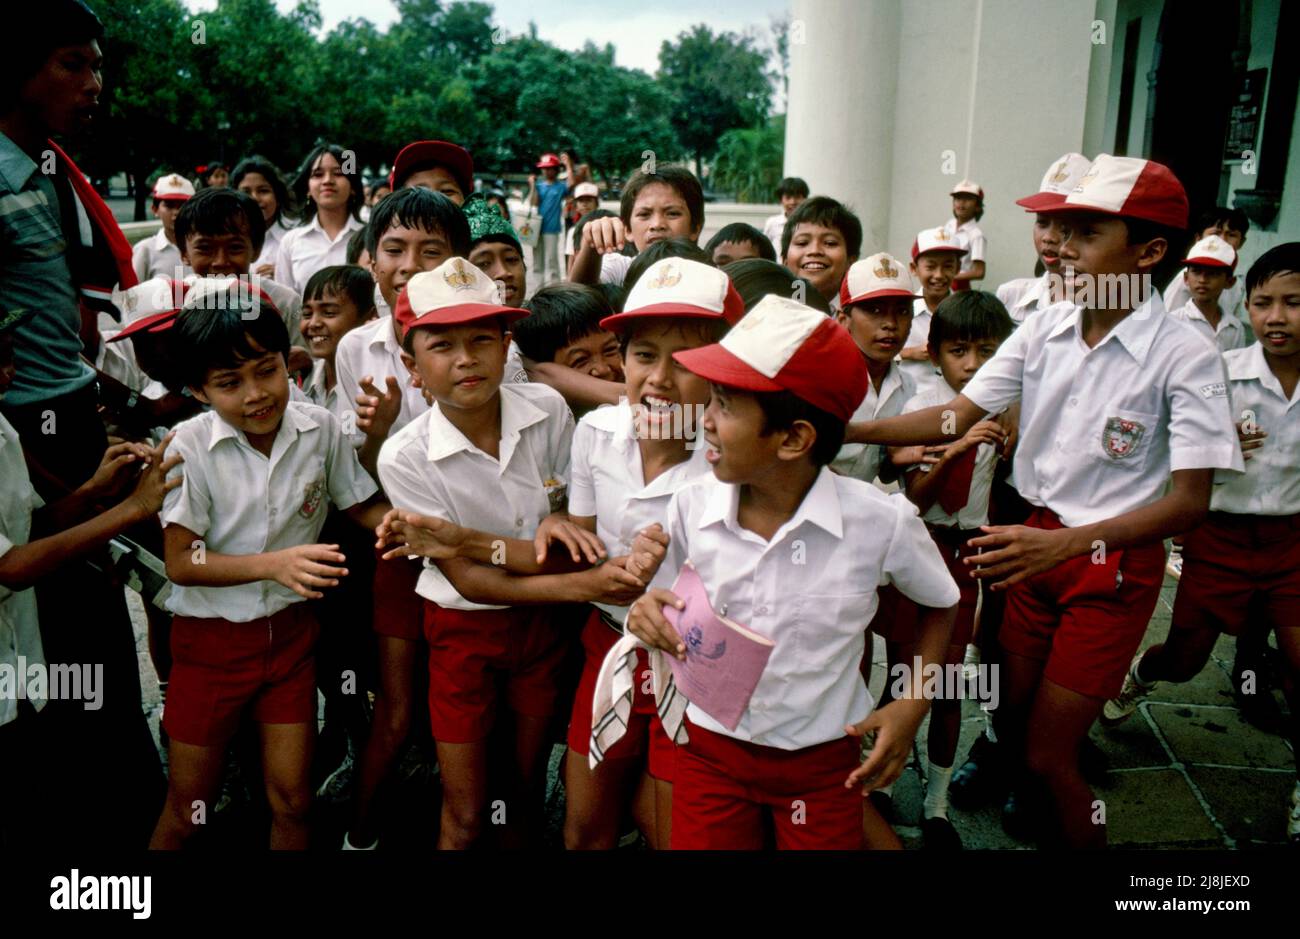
(614, 294)
(755, 278)
(1281, 259)
(419, 208)
(266, 169)
(1141, 230)
(343, 280)
(1221, 215)
(828, 213)
(968, 316)
(217, 212)
(356, 193)
(668, 248)
(356, 244)
(41, 28)
(782, 408)
(678, 178)
(739, 233)
(242, 327)
(559, 314)
(792, 186)
(409, 171)
(713, 329)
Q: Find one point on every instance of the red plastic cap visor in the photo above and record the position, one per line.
(456, 159)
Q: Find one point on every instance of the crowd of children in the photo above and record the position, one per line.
(367, 466)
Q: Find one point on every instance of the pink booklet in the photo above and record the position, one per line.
(724, 660)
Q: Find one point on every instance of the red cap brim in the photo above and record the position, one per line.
(1040, 201)
(456, 159)
(154, 323)
(465, 313)
(1208, 262)
(876, 294)
(714, 363)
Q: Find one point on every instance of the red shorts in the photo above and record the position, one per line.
(723, 787)
(953, 545)
(398, 609)
(220, 667)
(1239, 569)
(1084, 620)
(645, 734)
(471, 650)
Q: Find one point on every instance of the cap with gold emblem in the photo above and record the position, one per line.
(678, 287)
(880, 275)
(452, 293)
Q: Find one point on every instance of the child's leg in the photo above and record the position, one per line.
(1059, 721)
(393, 703)
(464, 793)
(652, 810)
(941, 741)
(594, 800)
(194, 773)
(286, 767)
(532, 746)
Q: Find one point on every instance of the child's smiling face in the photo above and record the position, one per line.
(1050, 232)
(820, 255)
(251, 395)
(595, 354)
(460, 366)
(404, 252)
(326, 319)
(879, 326)
(504, 264)
(257, 187)
(220, 254)
(327, 186)
(936, 270)
(736, 446)
(1098, 245)
(656, 383)
(1274, 308)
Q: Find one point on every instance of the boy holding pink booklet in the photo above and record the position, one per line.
(794, 553)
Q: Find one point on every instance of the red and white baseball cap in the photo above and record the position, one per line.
(1059, 180)
(880, 275)
(782, 345)
(1212, 251)
(452, 293)
(547, 160)
(1129, 187)
(967, 187)
(173, 188)
(149, 306)
(457, 160)
(938, 239)
(678, 287)
(226, 291)
(586, 190)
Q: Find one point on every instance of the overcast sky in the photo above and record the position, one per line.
(635, 27)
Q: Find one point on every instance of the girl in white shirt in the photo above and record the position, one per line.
(258, 177)
(329, 189)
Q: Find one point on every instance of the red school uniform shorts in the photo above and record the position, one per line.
(723, 787)
(1084, 618)
(398, 611)
(645, 734)
(219, 668)
(1237, 569)
(477, 655)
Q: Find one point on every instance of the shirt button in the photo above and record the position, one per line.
(1073, 402)
(761, 611)
(519, 523)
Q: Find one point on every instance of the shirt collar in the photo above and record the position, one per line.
(316, 380)
(1134, 332)
(1034, 296)
(15, 165)
(1250, 364)
(350, 225)
(517, 413)
(820, 507)
(294, 421)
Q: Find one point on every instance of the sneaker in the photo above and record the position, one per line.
(1120, 708)
(979, 780)
(1174, 567)
(970, 666)
(337, 786)
(349, 846)
(937, 834)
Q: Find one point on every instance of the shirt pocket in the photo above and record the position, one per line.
(1122, 437)
(31, 226)
(826, 623)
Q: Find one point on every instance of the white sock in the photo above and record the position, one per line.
(1138, 678)
(349, 846)
(936, 791)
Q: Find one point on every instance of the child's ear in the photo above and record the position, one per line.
(797, 441)
(934, 356)
(1232, 279)
(1152, 253)
(409, 361)
(199, 395)
(842, 317)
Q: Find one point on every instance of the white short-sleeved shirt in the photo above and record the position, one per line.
(271, 246)
(613, 268)
(862, 461)
(372, 349)
(1025, 296)
(924, 374)
(812, 590)
(975, 240)
(976, 511)
(774, 228)
(289, 304)
(1271, 483)
(515, 372)
(1101, 429)
(315, 391)
(608, 482)
(117, 360)
(20, 630)
(306, 249)
(430, 467)
(241, 502)
(1231, 333)
(1232, 299)
(155, 256)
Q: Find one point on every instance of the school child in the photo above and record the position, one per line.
(821, 240)
(336, 301)
(586, 199)
(738, 241)
(214, 175)
(1208, 270)
(431, 164)
(328, 188)
(627, 462)
(754, 279)
(495, 249)
(71, 529)
(668, 203)
(1115, 397)
(564, 327)
(952, 495)
(1026, 295)
(548, 197)
(158, 255)
(493, 458)
(790, 192)
(257, 177)
(770, 515)
(936, 261)
(1242, 564)
(967, 209)
(1232, 226)
(239, 536)
(575, 235)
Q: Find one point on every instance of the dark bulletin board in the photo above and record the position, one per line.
(1243, 122)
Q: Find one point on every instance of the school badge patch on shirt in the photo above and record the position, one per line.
(1121, 437)
(557, 493)
(312, 496)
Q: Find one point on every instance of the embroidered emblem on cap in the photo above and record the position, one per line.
(941, 234)
(458, 278)
(1059, 175)
(668, 277)
(886, 271)
(1121, 437)
(1086, 179)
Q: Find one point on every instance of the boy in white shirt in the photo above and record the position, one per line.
(936, 261)
(1232, 226)
(795, 553)
(336, 301)
(159, 254)
(1242, 564)
(1208, 274)
(239, 538)
(967, 209)
(791, 192)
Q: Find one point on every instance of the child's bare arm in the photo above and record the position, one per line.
(579, 389)
(371, 513)
(610, 582)
(600, 236)
(405, 533)
(304, 569)
(940, 424)
(923, 488)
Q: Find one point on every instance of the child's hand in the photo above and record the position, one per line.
(911, 456)
(300, 360)
(422, 535)
(376, 410)
(915, 354)
(612, 582)
(1019, 552)
(152, 486)
(119, 463)
(1251, 441)
(265, 270)
(986, 431)
(895, 726)
(649, 548)
(309, 566)
(646, 621)
(1009, 421)
(581, 543)
(532, 179)
(606, 235)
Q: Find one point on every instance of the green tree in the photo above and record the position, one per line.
(749, 161)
